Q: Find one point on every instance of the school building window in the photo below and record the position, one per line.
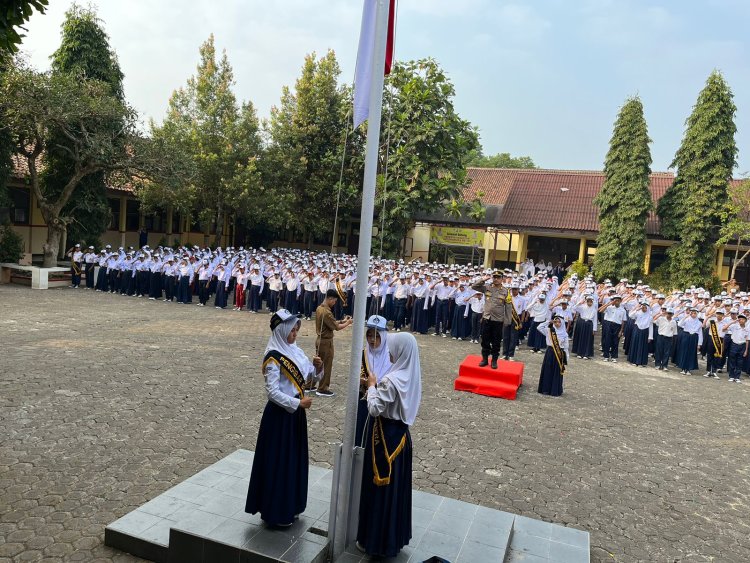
(132, 215)
(19, 210)
(114, 210)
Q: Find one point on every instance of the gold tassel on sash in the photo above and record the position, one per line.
(514, 313)
(382, 459)
(716, 339)
(559, 354)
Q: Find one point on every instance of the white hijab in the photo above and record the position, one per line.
(378, 358)
(406, 374)
(292, 351)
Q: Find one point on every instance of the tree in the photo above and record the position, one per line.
(736, 223)
(691, 210)
(13, 16)
(215, 143)
(84, 51)
(307, 132)
(40, 107)
(624, 201)
(499, 160)
(428, 150)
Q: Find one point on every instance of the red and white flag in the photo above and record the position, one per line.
(365, 55)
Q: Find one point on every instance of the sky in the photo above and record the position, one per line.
(542, 78)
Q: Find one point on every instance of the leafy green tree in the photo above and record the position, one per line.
(624, 201)
(499, 160)
(38, 108)
(216, 143)
(428, 150)
(691, 210)
(85, 52)
(303, 160)
(13, 16)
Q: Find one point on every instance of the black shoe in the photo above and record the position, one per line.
(484, 362)
(493, 365)
(325, 393)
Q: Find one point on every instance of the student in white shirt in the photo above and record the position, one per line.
(667, 330)
(738, 348)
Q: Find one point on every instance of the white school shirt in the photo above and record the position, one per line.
(443, 291)
(477, 304)
(275, 284)
(401, 290)
(666, 327)
(692, 326)
(566, 314)
(588, 314)
(739, 334)
(280, 390)
(562, 336)
(615, 315)
(538, 311)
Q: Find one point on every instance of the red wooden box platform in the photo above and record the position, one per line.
(501, 382)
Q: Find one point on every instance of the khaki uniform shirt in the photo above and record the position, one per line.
(495, 306)
(325, 324)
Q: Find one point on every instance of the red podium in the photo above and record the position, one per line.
(501, 382)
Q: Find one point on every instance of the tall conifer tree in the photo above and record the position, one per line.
(625, 200)
(691, 211)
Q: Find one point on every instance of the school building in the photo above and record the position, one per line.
(543, 215)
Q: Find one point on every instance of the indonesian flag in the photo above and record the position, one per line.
(365, 56)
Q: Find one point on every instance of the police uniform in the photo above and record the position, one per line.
(496, 314)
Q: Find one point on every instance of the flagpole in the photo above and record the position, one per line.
(338, 534)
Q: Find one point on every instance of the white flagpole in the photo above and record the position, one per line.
(338, 534)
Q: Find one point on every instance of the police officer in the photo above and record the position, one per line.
(497, 313)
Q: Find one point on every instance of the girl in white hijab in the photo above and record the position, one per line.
(278, 482)
(392, 403)
(376, 359)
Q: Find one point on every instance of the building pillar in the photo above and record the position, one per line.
(523, 242)
(582, 251)
(647, 259)
(123, 218)
(718, 269)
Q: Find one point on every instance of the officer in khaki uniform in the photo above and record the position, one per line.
(497, 312)
(325, 325)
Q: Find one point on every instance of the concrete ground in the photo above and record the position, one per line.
(107, 401)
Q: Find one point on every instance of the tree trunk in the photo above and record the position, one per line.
(55, 229)
(219, 226)
(734, 262)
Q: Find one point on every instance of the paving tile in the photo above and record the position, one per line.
(186, 491)
(316, 474)
(426, 500)
(234, 486)
(417, 533)
(521, 557)
(458, 508)
(304, 551)
(164, 506)
(449, 524)
(494, 536)
(492, 517)
(319, 491)
(158, 533)
(207, 478)
(473, 552)
(196, 521)
(316, 508)
(564, 553)
(570, 536)
(230, 467)
(243, 516)
(242, 456)
(134, 522)
(443, 545)
(270, 543)
(315, 538)
(532, 527)
(530, 544)
(234, 532)
(421, 517)
(216, 502)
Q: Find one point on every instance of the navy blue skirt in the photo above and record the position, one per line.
(278, 482)
(583, 338)
(687, 351)
(638, 353)
(550, 378)
(536, 338)
(385, 510)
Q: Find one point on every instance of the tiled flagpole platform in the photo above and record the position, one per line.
(202, 519)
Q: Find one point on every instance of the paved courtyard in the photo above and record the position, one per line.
(107, 401)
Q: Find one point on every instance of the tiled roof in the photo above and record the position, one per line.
(21, 170)
(551, 199)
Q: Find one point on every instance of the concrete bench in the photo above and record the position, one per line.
(39, 276)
